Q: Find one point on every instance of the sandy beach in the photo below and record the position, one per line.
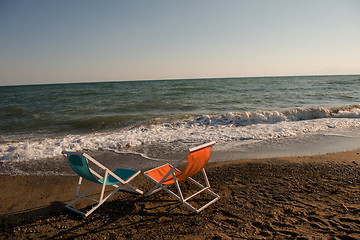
(312, 197)
(137, 84)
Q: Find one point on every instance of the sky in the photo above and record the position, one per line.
(67, 41)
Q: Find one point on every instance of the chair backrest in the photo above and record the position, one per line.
(197, 160)
(80, 165)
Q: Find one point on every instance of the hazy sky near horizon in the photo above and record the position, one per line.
(45, 41)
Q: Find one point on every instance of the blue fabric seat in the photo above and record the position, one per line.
(80, 165)
(122, 173)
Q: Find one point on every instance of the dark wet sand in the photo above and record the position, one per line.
(313, 197)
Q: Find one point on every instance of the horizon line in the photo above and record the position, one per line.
(176, 79)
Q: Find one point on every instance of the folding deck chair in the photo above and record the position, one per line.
(166, 175)
(119, 179)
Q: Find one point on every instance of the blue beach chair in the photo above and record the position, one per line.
(119, 179)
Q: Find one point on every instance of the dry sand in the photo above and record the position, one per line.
(315, 197)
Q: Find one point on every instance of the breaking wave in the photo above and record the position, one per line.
(271, 117)
(241, 126)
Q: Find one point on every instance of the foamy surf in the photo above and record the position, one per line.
(244, 127)
(297, 114)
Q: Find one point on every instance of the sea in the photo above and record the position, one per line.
(248, 117)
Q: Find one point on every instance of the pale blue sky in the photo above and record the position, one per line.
(84, 40)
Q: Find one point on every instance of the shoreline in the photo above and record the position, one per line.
(147, 157)
(284, 197)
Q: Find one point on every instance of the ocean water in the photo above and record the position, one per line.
(39, 121)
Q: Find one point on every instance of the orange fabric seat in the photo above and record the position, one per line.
(165, 175)
(159, 173)
(197, 160)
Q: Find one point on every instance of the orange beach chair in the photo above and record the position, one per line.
(166, 175)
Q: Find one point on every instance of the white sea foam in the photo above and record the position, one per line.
(297, 114)
(246, 126)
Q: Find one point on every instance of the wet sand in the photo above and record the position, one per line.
(312, 197)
